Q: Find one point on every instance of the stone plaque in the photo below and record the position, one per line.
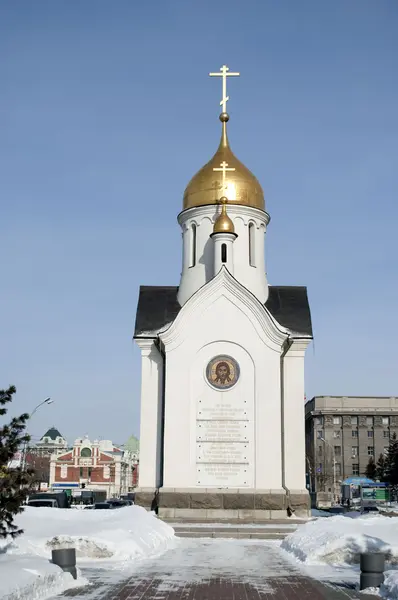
(220, 411)
(222, 431)
(222, 372)
(221, 475)
(222, 452)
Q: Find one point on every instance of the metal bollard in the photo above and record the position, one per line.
(372, 570)
(66, 559)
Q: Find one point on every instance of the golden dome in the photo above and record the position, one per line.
(223, 224)
(241, 187)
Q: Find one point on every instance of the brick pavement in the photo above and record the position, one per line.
(214, 570)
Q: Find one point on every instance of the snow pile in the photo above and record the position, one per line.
(340, 540)
(119, 535)
(32, 578)
(389, 589)
(113, 538)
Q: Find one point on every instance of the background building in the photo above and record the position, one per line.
(342, 433)
(97, 465)
(132, 453)
(52, 442)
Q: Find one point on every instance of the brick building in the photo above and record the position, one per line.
(342, 433)
(97, 465)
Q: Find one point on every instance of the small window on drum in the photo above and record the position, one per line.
(192, 250)
(252, 249)
(223, 253)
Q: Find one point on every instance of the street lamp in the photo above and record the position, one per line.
(334, 467)
(25, 447)
(46, 401)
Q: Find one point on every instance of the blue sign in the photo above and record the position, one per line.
(66, 485)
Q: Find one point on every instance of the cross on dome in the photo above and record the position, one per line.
(238, 184)
(224, 168)
(224, 74)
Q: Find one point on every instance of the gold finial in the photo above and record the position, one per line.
(224, 74)
(237, 182)
(223, 223)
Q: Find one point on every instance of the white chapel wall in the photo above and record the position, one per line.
(259, 361)
(197, 272)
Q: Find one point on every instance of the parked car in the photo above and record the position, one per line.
(61, 498)
(369, 509)
(43, 503)
(103, 505)
(117, 502)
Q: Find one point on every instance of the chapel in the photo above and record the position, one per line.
(222, 379)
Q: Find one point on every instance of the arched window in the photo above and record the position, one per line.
(252, 248)
(85, 453)
(192, 250)
(223, 253)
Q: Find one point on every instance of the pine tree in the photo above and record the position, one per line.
(381, 468)
(391, 472)
(14, 483)
(371, 469)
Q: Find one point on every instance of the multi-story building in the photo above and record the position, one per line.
(52, 442)
(343, 433)
(132, 452)
(97, 465)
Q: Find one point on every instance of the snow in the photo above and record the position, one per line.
(389, 589)
(32, 578)
(114, 539)
(340, 540)
(332, 547)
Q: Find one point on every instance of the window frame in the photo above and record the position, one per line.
(192, 245)
(252, 244)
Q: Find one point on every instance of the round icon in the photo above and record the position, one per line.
(222, 372)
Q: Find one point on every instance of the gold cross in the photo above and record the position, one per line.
(223, 168)
(224, 74)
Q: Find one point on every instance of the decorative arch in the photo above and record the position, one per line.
(85, 453)
(225, 284)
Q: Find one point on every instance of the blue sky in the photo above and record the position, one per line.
(106, 111)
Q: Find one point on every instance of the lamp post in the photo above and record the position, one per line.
(25, 446)
(334, 467)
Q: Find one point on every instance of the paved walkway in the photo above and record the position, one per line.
(213, 570)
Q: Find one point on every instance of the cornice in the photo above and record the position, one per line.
(145, 345)
(210, 211)
(297, 347)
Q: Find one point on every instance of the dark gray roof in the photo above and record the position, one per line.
(52, 433)
(158, 306)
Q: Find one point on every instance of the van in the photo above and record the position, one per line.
(43, 503)
(61, 498)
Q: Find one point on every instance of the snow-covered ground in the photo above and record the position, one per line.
(114, 539)
(332, 547)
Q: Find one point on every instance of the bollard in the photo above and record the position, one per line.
(66, 559)
(372, 570)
